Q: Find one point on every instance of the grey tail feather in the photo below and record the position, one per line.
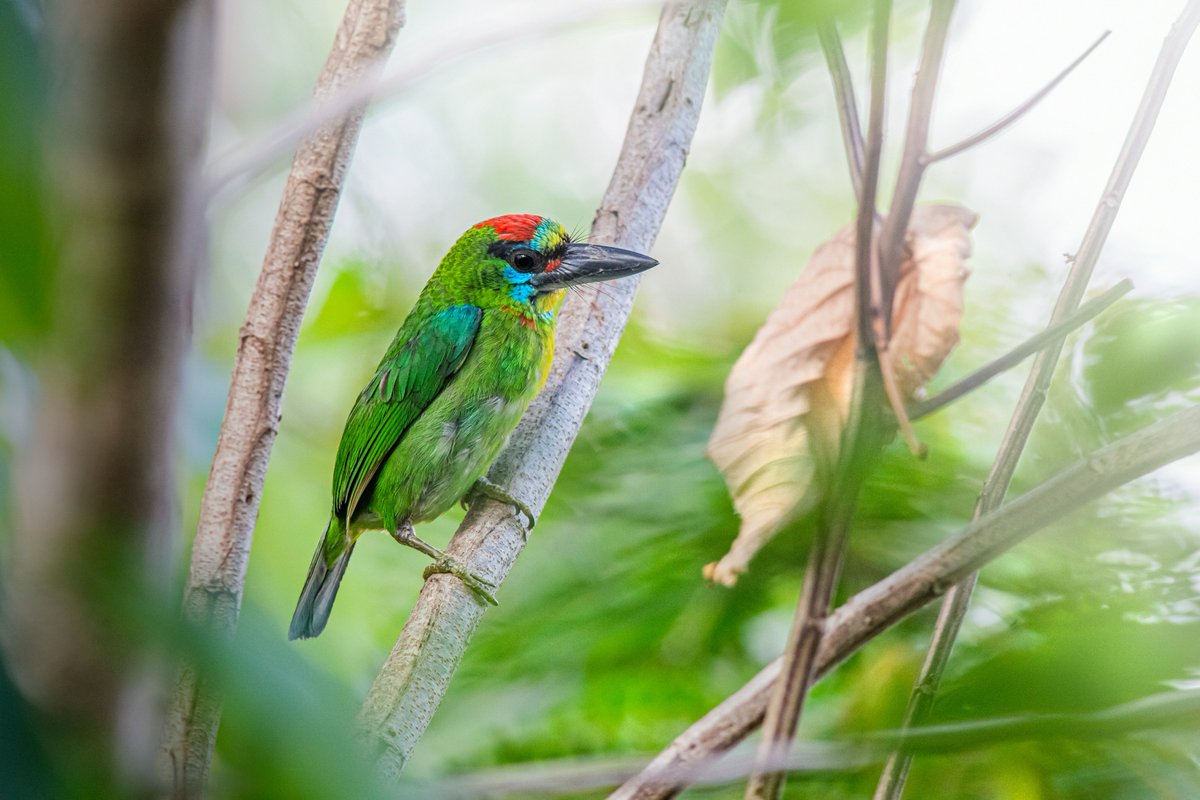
(320, 589)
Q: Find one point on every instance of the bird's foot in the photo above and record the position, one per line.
(405, 535)
(498, 493)
(451, 566)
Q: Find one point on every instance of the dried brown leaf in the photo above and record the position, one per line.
(788, 396)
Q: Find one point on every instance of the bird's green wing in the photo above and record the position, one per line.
(407, 381)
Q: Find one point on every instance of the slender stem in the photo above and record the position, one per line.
(949, 622)
(1018, 112)
(1047, 337)
(891, 783)
(409, 686)
(841, 494)
(861, 442)
(912, 161)
(879, 607)
(847, 105)
(891, 245)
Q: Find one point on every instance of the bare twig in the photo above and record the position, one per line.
(865, 229)
(221, 550)
(912, 161)
(908, 183)
(847, 105)
(820, 581)
(1055, 332)
(1018, 112)
(411, 683)
(247, 160)
(891, 783)
(876, 609)
(841, 484)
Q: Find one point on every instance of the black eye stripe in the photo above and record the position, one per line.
(509, 252)
(519, 255)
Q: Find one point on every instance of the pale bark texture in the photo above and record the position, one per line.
(229, 510)
(96, 506)
(411, 683)
(874, 610)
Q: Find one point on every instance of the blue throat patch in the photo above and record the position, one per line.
(521, 290)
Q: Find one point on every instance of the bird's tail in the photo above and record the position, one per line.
(320, 588)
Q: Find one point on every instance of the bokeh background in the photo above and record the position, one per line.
(607, 641)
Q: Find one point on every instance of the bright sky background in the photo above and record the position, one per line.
(1055, 162)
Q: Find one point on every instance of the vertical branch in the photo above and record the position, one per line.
(843, 86)
(865, 231)
(841, 489)
(96, 505)
(913, 160)
(908, 183)
(410, 685)
(995, 487)
(229, 509)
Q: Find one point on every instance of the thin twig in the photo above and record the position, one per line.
(221, 550)
(247, 160)
(1087, 312)
(842, 487)
(912, 161)
(405, 694)
(879, 607)
(891, 244)
(847, 105)
(864, 253)
(891, 783)
(1018, 112)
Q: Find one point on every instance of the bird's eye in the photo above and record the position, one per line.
(524, 260)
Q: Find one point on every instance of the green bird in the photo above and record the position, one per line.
(472, 354)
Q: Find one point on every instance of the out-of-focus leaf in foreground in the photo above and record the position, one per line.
(24, 264)
(787, 398)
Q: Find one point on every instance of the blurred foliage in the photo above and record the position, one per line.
(25, 272)
(606, 640)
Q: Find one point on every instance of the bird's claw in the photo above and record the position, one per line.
(498, 493)
(449, 565)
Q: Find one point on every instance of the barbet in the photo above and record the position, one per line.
(455, 381)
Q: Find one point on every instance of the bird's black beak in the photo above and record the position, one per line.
(588, 263)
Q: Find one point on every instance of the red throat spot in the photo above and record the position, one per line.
(513, 227)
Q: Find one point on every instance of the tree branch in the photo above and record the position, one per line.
(954, 609)
(414, 678)
(1018, 112)
(1054, 333)
(221, 550)
(912, 161)
(891, 245)
(847, 105)
(842, 479)
(879, 607)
